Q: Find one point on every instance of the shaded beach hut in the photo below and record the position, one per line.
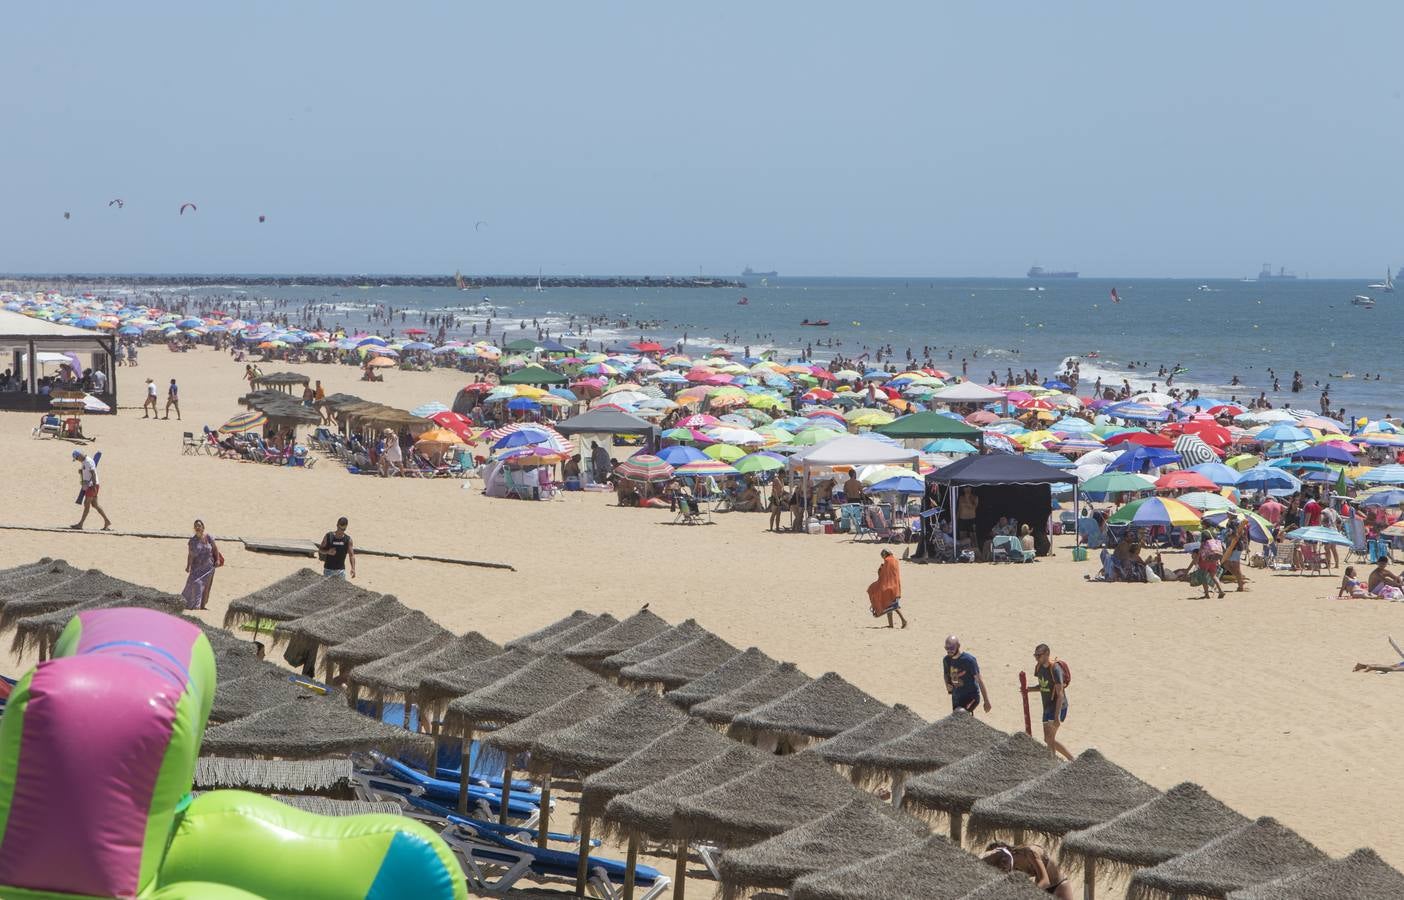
(925, 748)
(844, 748)
(679, 666)
(820, 708)
(400, 633)
(255, 605)
(661, 643)
(280, 381)
(1360, 876)
(1087, 791)
(1014, 886)
(857, 831)
(720, 710)
(954, 788)
(631, 632)
(931, 869)
(572, 636)
(566, 623)
(306, 729)
(1261, 851)
(741, 669)
(1176, 822)
(40, 632)
(325, 777)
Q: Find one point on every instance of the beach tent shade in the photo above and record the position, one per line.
(563, 624)
(735, 672)
(533, 375)
(1014, 886)
(323, 776)
(400, 673)
(860, 829)
(930, 869)
(928, 747)
(384, 640)
(649, 810)
(999, 469)
(679, 666)
(966, 392)
(1087, 791)
(822, 707)
(1360, 876)
(663, 642)
(306, 729)
(993, 770)
(532, 688)
(1261, 851)
(583, 704)
(603, 740)
(606, 421)
(674, 751)
(1007, 486)
(563, 640)
(929, 425)
(844, 748)
(780, 795)
(435, 690)
(1176, 822)
(630, 632)
(777, 683)
(853, 450)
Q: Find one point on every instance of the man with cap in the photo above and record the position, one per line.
(87, 472)
(963, 681)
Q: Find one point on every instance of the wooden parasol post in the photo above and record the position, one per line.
(582, 867)
(899, 787)
(631, 862)
(463, 775)
(957, 821)
(680, 871)
(543, 824)
(438, 743)
(1089, 878)
(506, 791)
(1024, 695)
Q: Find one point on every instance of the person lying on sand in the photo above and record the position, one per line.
(1383, 667)
(1033, 861)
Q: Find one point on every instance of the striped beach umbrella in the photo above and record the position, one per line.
(1206, 501)
(1194, 451)
(705, 468)
(1155, 511)
(249, 421)
(644, 467)
(1259, 529)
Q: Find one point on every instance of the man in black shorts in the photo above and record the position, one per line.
(1052, 687)
(963, 681)
(337, 551)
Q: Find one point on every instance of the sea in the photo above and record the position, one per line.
(1228, 338)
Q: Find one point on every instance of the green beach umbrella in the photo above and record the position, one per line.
(724, 452)
(1118, 483)
(759, 462)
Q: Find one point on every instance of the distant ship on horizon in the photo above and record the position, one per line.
(1280, 275)
(1041, 272)
(749, 272)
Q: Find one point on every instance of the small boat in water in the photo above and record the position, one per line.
(817, 323)
(1387, 285)
(1362, 300)
(743, 302)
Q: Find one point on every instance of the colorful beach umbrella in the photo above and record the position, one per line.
(1184, 480)
(248, 421)
(1319, 534)
(644, 467)
(706, 467)
(1155, 511)
(1206, 501)
(1118, 483)
(763, 461)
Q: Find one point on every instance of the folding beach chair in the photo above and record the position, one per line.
(1359, 547)
(188, 445)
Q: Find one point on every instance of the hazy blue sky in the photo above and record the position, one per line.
(1187, 138)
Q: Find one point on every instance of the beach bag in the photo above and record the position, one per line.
(1079, 554)
(218, 558)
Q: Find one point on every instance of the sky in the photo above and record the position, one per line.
(1188, 139)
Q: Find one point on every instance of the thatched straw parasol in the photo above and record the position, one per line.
(649, 811)
(400, 674)
(299, 776)
(780, 681)
(782, 794)
(586, 703)
(1264, 850)
(631, 632)
(323, 806)
(306, 729)
(1014, 886)
(674, 751)
(1176, 822)
(844, 748)
(741, 669)
(63, 594)
(856, 831)
(389, 637)
(258, 603)
(44, 573)
(572, 636)
(1087, 791)
(556, 627)
(600, 742)
(40, 633)
(679, 666)
(928, 747)
(930, 869)
(23, 571)
(532, 688)
(334, 624)
(437, 689)
(1360, 876)
(953, 789)
(661, 643)
(820, 708)
(236, 698)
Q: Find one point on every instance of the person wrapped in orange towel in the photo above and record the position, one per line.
(885, 594)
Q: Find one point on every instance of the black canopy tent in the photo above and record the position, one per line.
(1007, 485)
(606, 421)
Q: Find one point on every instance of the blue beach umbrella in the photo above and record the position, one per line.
(1268, 478)
(1387, 497)
(1220, 474)
(1391, 474)
(899, 484)
(1319, 534)
(680, 455)
(1282, 433)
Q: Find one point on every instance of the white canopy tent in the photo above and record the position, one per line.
(966, 392)
(852, 450)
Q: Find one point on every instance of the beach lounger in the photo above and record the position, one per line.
(493, 864)
(486, 803)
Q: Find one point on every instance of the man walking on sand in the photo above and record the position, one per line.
(1052, 685)
(148, 406)
(172, 399)
(337, 551)
(87, 472)
(963, 681)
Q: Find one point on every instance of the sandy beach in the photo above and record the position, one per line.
(1252, 696)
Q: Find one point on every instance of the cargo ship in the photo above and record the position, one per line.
(749, 272)
(1280, 275)
(1041, 272)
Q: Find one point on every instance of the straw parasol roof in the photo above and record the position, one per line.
(779, 795)
(928, 747)
(266, 688)
(442, 686)
(823, 707)
(650, 810)
(931, 869)
(45, 572)
(1176, 822)
(1014, 886)
(1264, 850)
(1087, 791)
(657, 645)
(956, 787)
(532, 688)
(33, 632)
(220, 639)
(857, 831)
(256, 604)
(306, 729)
(63, 594)
(600, 742)
(267, 775)
(591, 701)
(741, 669)
(679, 666)
(1360, 876)
(400, 673)
(631, 632)
(324, 806)
(334, 624)
(843, 748)
(674, 751)
(556, 627)
(400, 633)
(572, 636)
(784, 678)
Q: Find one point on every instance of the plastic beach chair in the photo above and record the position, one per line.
(493, 864)
(397, 777)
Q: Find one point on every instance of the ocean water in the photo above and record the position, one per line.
(1216, 330)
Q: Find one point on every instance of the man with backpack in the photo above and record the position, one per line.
(1053, 676)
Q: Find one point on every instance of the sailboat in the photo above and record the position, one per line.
(458, 280)
(1387, 285)
(539, 288)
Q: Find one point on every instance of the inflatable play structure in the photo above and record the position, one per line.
(97, 755)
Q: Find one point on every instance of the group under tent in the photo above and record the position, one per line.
(66, 592)
(562, 624)
(680, 665)
(819, 708)
(1260, 851)
(308, 728)
(924, 748)
(859, 830)
(736, 671)
(1176, 822)
(41, 632)
(930, 869)
(630, 632)
(290, 597)
(398, 675)
(400, 633)
(844, 748)
(720, 710)
(332, 777)
(562, 640)
(1014, 886)
(267, 687)
(1360, 876)
(953, 789)
(1087, 791)
(660, 643)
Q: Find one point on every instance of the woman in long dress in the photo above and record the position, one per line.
(200, 569)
